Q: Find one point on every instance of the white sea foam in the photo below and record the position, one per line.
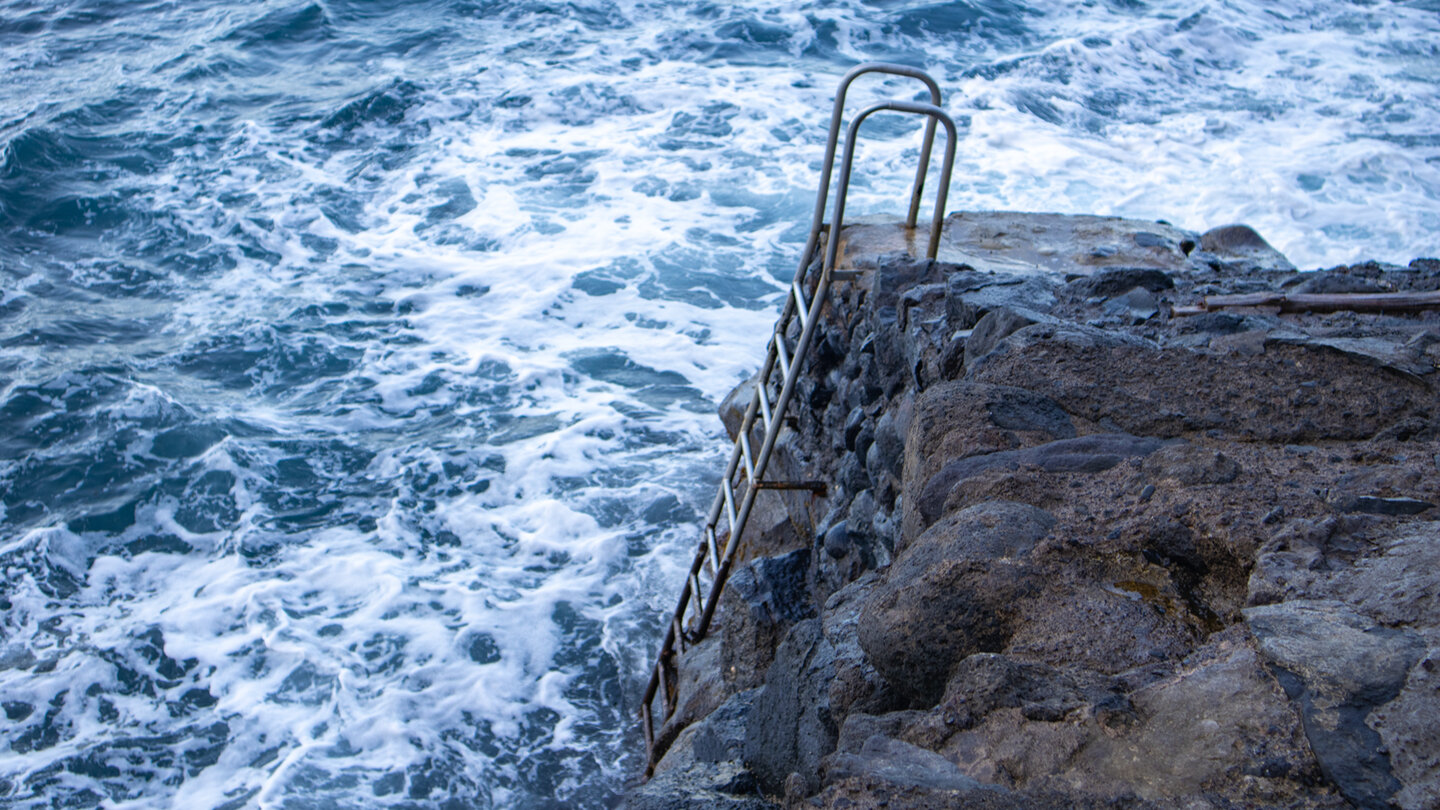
(461, 360)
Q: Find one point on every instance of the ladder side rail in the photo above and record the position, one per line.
(732, 546)
(787, 391)
(919, 190)
(717, 509)
(748, 421)
(668, 645)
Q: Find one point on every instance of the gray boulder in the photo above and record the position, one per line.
(761, 600)
(958, 419)
(704, 768)
(989, 530)
(1086, 454)
(1241, 245)
(899, 764)
(1339, 665)
(998, 324)
(1286, 393)
(1188, 465)
(798, 729)
(1408, 729)
(916, 629)
(1112, 281)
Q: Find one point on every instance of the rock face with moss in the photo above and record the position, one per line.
(1079, 551)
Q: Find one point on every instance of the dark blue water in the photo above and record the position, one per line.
(358, 360)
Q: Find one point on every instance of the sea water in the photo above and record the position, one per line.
(359, 360)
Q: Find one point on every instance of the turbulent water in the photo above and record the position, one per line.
(358, 360)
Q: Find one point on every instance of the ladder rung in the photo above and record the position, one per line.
(649, 730)
(782, 355)
(714, 553)
(801, 307)
(729, 503)
(695, 597)
(764, 404)
(679, 633)
(664, 685)
(745, 453)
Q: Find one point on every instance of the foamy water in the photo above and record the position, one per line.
(359, 360)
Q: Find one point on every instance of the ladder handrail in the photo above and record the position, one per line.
(833, 138)
(934, 113)
(737, 508)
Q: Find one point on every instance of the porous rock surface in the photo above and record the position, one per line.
(1078, 551)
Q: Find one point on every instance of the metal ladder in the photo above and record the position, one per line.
(745, 474)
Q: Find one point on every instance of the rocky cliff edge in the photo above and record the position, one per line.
(1078, 550)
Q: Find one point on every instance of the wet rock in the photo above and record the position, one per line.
(1372, 505)
(898, 273)
(852, 544)
(996, 325)
(1397, 586)
(986, 682)
(1099, 625)
(705, 768)
(922, 302)
(720, 737)
(1112, 281)
(1213, 323)
(1339, 665)
(1296, 562)
(1331, 283)
(1083, 454)
(837, 541)
(733, 407)
(899, 764)
(914, 629)
(1390, 353)
(1056, 244)
(1408, 730)
(854, 422)
(1134, 307)
(1241, 244)
(779, 521)
(1031, 293)
(1218, 723)
(1094, 375)
(699, 691)
(857, 686)
(852, 476)
(991, 530)
(1190, 465)
(761, 601)
(959, 419)
(798, 730)
(1172, 544)
(1250, 343)
(887, 452)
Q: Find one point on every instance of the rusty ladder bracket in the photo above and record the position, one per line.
(817, 488)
